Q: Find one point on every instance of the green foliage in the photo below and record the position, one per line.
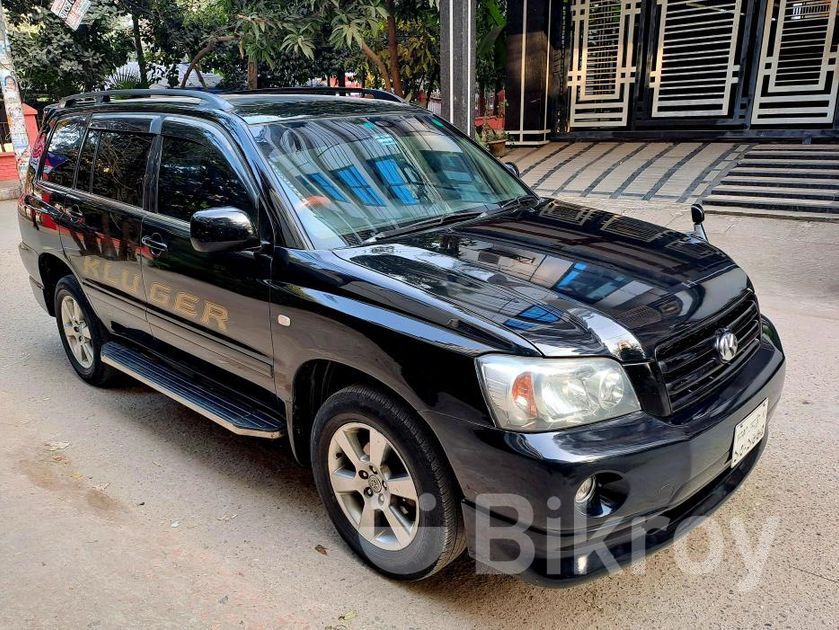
(52, 60)
(419, 54)
(290, 40)
(491, 47)
(124, 79)
(174, 30)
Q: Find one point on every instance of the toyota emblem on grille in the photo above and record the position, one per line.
(726, 345)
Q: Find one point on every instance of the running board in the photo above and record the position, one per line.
(238, 416)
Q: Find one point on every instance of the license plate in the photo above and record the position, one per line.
(748, 433)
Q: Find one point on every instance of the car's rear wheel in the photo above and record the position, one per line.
(81, 333)
(385, 484)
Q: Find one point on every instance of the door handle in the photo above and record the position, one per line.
(155, 243)
(74, 212)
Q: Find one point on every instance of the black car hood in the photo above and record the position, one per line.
(570, 280)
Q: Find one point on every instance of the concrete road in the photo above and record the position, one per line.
(154, 516)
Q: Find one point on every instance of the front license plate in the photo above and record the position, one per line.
(748, 433)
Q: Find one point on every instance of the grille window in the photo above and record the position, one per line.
(690, 365)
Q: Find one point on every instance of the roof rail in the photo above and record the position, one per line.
(336, 91)
(105, 97)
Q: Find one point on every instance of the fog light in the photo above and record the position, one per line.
(585, 491)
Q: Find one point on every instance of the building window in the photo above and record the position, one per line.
(359, 187)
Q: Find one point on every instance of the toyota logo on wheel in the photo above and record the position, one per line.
(726, 345)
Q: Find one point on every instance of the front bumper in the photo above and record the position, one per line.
(662, 475)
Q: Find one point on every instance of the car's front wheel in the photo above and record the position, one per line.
(385, 484)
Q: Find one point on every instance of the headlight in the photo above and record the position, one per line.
(531, 394)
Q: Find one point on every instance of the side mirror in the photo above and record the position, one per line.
(513, 168)
(221, 229)
(697, 213)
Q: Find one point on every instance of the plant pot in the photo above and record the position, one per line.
(497, 147)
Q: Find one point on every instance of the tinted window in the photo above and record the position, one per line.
(121, 166)
(86, 157)
(349, 178)
(194, 176)
(60, 163)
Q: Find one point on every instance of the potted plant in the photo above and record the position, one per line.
(495, 140)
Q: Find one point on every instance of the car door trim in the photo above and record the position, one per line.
(256, 361)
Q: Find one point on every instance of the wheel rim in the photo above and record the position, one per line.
(76, 331)
(373, 486)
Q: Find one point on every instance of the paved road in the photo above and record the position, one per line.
(153, 516)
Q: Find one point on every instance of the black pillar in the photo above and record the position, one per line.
(457, 62)
(531, 27)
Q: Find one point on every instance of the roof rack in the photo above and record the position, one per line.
(105, 96)
(382, 95)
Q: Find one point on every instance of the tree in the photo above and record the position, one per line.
(267, 32)
(52, 60)
(419, 54)
(491, 49)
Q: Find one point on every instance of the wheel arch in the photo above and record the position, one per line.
(317, 379)
(52, 269)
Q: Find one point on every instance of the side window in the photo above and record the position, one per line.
(194, 176)
(121, 166)
(62, 152)
(86, 157)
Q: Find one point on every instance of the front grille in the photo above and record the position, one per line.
(690, 365)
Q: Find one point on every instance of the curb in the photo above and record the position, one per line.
(9, 190)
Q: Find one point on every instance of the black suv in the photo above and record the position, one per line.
(461, 362)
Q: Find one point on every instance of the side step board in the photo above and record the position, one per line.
(240, 417)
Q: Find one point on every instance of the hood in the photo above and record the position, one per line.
(570, 280)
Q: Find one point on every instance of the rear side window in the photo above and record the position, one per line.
(86, 158)
(63, 151)
(194, 176)
(120, 168)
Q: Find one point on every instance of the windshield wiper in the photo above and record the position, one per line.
(454, 217)
(517, 201)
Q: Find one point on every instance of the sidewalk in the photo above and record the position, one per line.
(676, 216)
(9, 189)
(669, 171)
(781, 181)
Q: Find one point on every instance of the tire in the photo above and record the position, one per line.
(78, 328)
(432, 533)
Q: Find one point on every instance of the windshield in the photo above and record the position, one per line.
(351, 178)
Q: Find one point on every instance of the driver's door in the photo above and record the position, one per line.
(210, 306)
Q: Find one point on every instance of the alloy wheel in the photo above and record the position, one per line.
(76, 331)
(373, 486)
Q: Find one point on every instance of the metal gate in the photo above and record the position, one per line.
(798, 72)
(655, 65)
(602, 62)
(696, 62)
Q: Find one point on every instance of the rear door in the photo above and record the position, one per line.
(46, 208)
(103, 218)
(210, 306)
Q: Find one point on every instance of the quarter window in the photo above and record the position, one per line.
(63, 151)
(120, 167)
(194, 176)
